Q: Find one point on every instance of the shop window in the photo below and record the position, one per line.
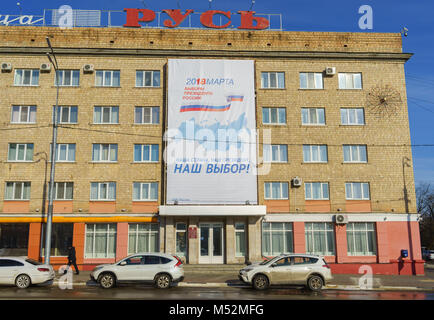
(14, 239)
(181, 239)
(143, 237)
(361, 239)
(240, 239)
(61, 238)
(320, 238)
(100, 240)
(277, 238)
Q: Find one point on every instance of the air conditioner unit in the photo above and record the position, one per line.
(88, 68)
(6, 66)
(330, 71)
(45, 67)
(341, 219)
(296, 182)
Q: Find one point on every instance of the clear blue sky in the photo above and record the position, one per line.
(321, 15)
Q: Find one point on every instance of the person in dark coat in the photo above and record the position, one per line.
(72, 259)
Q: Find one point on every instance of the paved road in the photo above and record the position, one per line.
(144, 292)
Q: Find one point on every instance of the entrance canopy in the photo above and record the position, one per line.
(182, 210)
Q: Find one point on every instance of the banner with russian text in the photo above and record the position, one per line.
(211, 137)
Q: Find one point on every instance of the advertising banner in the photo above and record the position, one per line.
(211, 136)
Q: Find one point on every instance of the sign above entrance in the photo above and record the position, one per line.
(213, 211)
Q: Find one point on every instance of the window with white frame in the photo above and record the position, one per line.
(103, 152)
(103, 191)
(320, 238)
(148, 78)
(350, 80)
(106, 115)
(313, 116)
(361, 239)
(275, 152)
(240, 239)
(23, 114)
(276, 190)
(107, 78)
(26, 77)
(352, 116)
(311, 80)
(67, 78)
(100, 240)
(316, 191)
(143, 237)
(355, 153)
(17, 191)
(273, 115)
(277, 238)
(63, 190)
(357, 191)
(147, 115)
(145, 191)
(146, 152)
(315, 153)
(65, 152)
(67, 114)
(20, 152)
(272, 80)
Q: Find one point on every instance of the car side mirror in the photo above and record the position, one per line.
(274, 265)
(123, 263)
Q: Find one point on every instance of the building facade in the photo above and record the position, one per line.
(315, 103)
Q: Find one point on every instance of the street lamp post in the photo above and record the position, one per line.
(53, 159)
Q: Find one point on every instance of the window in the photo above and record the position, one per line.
(20, 152)
(17, 191)
(361, 239)
(276, 190)
(357, 191)
(350, 81)
(65, 152)
(63, 190)
(61, 238)
(10, 263)
(355, 153)
(181, 239)
(26, 77)
(315, 153)
(100, 240)
(23, 114)
(313, 116)
(316, 190)
(145, 191)
(320, 238)
(104, 191)
(146, 153)
(277, 238)
(108, 78)
(273, 80)
(106, 115)
(148, 78)
(102, 152)
(147, 115)
(303, 260)
(67, 78)
(275, 153)
(240, 239)
(274, 115)
(66, 114)
(14, 239)
(311, 80)
(143, 237)
(352, 116)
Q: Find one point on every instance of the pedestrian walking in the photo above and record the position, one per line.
(72, 259)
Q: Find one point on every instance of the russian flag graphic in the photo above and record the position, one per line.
(226, 107)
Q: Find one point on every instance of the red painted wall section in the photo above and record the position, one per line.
(382, 242)
(34, 241)
(79, 241)
(274, 206)
(122, 240)
(102, 207)
(16, 206)
(400, 236)
(341, 243)
(299, 237)
(358, 206)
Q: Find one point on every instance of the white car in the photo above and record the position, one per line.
(24, 272)
(158, 268)
(293, 269)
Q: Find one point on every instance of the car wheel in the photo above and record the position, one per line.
(315, 283)
(162, 281)
(23, 281)
(260, 282)
(107, 280)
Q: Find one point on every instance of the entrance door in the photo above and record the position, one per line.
(211, 243)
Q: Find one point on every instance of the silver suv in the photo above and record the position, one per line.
(158, 268)
(296, 269)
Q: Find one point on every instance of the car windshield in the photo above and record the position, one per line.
(35, 263)
(263, 263)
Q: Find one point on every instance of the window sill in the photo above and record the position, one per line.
(75, 87)
(275, 124)
(103, 162)
(11, 161)
(18, 200)
(143, 87)
(351, 89)
(142, 162)
(352, 125)
(113, 87)
(322, 162)
(355, 162)
(314, 125)
(272, 88)
(22, 123)
(153, 200)
(25, 86)
(311, 89)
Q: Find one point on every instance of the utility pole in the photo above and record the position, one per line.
(53, 158)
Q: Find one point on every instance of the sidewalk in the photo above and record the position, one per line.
(218, 279)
